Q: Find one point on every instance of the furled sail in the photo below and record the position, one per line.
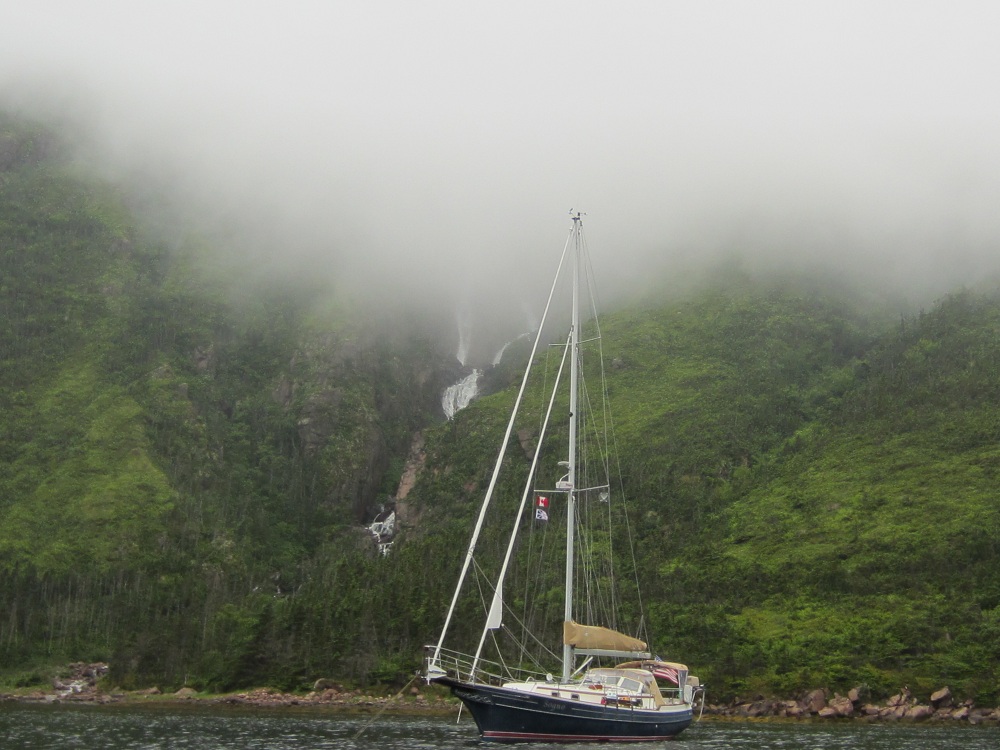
(495, 618)
(593, 637)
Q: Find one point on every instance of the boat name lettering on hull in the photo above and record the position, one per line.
(468, 695)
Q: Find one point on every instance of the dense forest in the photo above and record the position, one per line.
(185, 471)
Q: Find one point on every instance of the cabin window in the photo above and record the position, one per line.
(634, 685)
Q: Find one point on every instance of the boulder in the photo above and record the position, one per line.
(941, 698)
(326, 684)
(761, 707)
(901, 698)
(891, 714)
(815, 701)
(919, 712)
(186, 692)
(842, 706)
(979, 715)
(791, 709)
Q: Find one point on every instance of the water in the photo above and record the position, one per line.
(456, 397)
(31, 727)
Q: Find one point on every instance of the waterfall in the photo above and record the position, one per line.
(460, 395)
(464, 336)
(384, 529)
(499, 355)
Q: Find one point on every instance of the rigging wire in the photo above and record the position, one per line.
(597, 448)
(612, 444)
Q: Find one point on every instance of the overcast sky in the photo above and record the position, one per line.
(451, 138)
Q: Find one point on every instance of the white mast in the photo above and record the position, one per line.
(567, 667)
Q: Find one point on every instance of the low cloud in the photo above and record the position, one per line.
(434, 149)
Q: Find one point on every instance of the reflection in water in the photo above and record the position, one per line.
(31, 727)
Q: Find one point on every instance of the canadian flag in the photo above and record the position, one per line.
(543, 502)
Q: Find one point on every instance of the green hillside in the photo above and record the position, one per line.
(813, 487)
(873, 541)
(185, 470)
(178, 461)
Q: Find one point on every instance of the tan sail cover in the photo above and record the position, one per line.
(594, 637)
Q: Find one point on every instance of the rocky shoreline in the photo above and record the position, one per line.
(821, 705)
(82, 686)
(352, 700)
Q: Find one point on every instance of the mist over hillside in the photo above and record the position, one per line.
(425, 155)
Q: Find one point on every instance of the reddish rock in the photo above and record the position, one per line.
(757, 708)
(816, 700)
(901, 698)
(791, 709)
(941, 698)
(890, 714)
(842, 706)
(326, 684)
(919, 712)
(979, 715)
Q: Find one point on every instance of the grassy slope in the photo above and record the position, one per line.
(846, 525)
(879, 532)
(813, 491)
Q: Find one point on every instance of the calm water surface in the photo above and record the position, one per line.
(30, 727)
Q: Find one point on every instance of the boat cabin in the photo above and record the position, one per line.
(624, 685)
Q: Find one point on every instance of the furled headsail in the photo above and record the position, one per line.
(597, 641)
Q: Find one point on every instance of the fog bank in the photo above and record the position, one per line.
(434, 149)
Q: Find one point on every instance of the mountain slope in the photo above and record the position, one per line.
(176, 456)
(876, 542)
(812, 488)
(185, 469)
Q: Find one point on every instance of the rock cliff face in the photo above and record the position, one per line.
(357, 403)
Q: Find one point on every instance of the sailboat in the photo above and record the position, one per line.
(609, 686)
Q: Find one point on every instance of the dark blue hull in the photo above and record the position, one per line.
(513, 716)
